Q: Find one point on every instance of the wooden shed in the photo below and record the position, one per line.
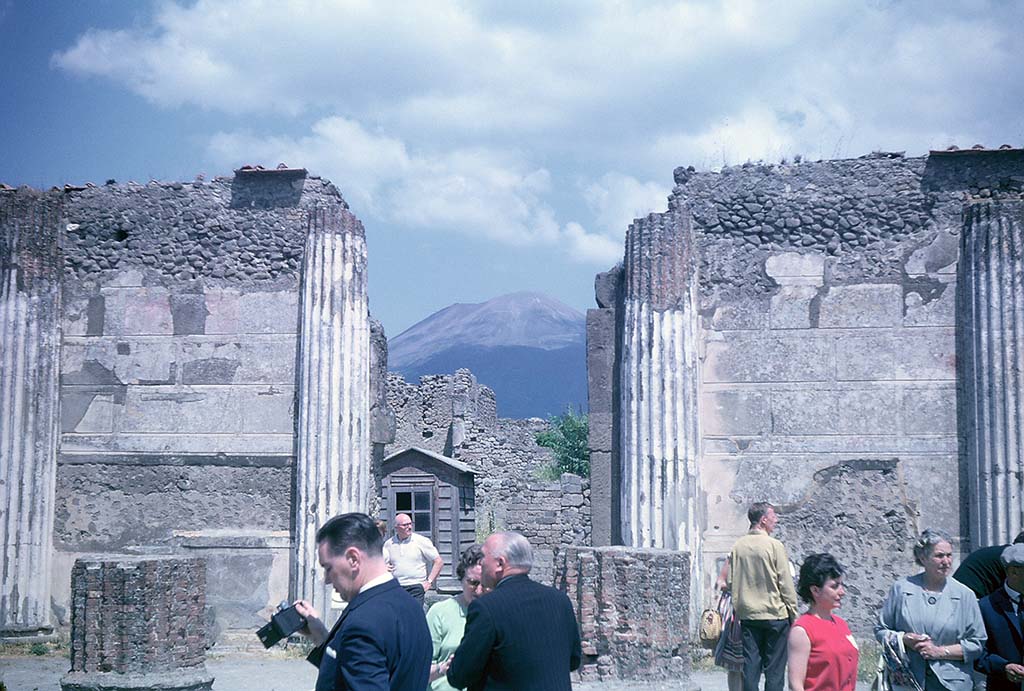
(438, 493)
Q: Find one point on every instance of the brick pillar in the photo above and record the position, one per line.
(138, 623)
(991, 368)
(633, 607)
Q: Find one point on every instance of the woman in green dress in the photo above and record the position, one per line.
(447, 619)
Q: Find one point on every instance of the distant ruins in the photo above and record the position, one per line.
(841, 338)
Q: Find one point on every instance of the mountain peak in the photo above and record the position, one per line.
(523, 318)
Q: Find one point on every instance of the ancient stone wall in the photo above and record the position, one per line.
(456, 416)
(180, 310)
(828, 335)
(633, 609)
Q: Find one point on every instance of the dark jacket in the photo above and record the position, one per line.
(522, 636)
(381, 641)
(1004, 640)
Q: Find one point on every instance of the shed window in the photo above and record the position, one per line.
(418, 505)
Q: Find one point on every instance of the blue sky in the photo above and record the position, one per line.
(493, 146)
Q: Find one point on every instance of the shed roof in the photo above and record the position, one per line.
(457, 465)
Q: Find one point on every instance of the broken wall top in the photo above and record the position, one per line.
(245, 228)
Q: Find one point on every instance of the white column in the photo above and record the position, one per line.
(30, 270)
(659, 375)
(991, 363)
(333, 463)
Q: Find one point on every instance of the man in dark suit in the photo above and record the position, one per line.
(522, 635)
(982, 570)
(1001, 612)
(381, 639)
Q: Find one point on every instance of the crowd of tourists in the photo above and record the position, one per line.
(521, 635)
(937, 630)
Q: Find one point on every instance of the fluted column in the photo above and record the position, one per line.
(333, 464)
(658, 384)
(30, 271)
(992, 357)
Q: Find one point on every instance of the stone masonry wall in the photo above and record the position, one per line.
(829, 328)
(178, 377)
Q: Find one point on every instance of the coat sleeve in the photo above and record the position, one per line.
(973, 638)
(363, 664)
(470, 662)
(889, 617)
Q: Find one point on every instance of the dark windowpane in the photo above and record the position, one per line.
(422, 501)
(422, 523)
(403, 501)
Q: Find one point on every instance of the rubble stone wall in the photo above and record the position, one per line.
(828, 337)
(456, 416)
(178, 376)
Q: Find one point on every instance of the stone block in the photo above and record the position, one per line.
(861, 306)
(606, 287)
(147, 442)
(929, 410)
(834, 411)
(926, 354)
(754, 357)
(129, 360)
(866, 357)
(185, 410)
(923, 308)
(137, 312)
(209, 362)
(222, 307)
(787, 265)
(791, 307)
(736, 412)
(96, 418)
(269, 312)
(933, 485)
(267, 409)
(600, 359)
(748, 315)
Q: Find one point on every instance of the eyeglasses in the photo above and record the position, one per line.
(472, 583)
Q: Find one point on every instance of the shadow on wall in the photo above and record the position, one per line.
(858, 511)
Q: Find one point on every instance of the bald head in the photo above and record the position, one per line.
(403, 525)
(505, 554)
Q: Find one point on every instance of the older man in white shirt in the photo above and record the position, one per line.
(408, 554)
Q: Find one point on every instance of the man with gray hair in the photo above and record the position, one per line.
(522, 635)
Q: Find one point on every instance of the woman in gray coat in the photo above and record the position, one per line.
(934, 619)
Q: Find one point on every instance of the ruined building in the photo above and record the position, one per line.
(841, 338)
(191, 369)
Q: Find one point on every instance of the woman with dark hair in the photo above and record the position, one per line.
(930, 626)
(822, 653)
(447, 619)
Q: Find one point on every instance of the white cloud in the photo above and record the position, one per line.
(478, 192)
(470, 116)
(617, 199)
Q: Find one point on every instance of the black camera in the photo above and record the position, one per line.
(284, 623)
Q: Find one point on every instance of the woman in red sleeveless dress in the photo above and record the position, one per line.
(822, 652)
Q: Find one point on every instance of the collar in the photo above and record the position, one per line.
(1014, 595)
(379, 580)
(510, 577)
(757, 531)
(399, 541)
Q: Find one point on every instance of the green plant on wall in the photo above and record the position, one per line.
(567, 438)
